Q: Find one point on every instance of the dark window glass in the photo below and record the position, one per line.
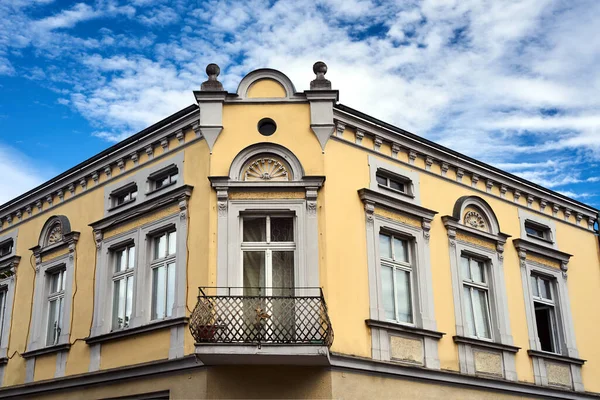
(255, 229)
(397, 185)
(6, 249)
(267, 127)
(282, 229)
(535, 231)
(382, 180)
(544, 319)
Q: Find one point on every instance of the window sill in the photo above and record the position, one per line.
(555, 357)
(124, 204)
(393, 326)
(152, 326)
(46, 350)
(544, 240)
(485, 343)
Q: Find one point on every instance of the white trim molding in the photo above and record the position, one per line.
(474, 233)
(384, 213)
(563, 367)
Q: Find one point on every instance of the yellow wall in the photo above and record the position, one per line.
(265, 88)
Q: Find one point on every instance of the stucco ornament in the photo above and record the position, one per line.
(474, 220)
(266, 169)
(55, 234)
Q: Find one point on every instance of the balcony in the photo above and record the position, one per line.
(235, 325)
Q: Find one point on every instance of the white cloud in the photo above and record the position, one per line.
(17, 174)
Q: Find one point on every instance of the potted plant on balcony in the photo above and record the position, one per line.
(203, 324)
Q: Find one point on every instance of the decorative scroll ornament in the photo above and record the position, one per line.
(55, 234)
(474, 220)
(266, 169)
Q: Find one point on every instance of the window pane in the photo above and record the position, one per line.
(121, 261)
(534, 287)
(160, 246)
(385, 249)
(283, 273)
(382, 180)
(133, 195)
(62, 280)
(128, 301)
(174, 177)
(546, 326)
(464, 266)
(534, 231)
(480, 311)
(255, 229)
(477, 271)
(469, 312)
(170, 289)
(400, 250)
(282, 229)
(546, 292)
(397, 185)
(254, 272)
(172, 242)
(131, 259)
(119, 304)
(52, 322)
(2, 309)
(403, 294)
(387, 289)
(158, 292)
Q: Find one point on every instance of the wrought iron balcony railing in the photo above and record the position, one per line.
(231, 315)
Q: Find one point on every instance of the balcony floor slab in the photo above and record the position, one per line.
(265, 354)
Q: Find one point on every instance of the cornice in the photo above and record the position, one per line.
(523, 245)
(416, 146)
(224, 183)
(451, 222)
(391, 326)
(486, 344)
(109, 164)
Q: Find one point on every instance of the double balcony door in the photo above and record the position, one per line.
(268, 263)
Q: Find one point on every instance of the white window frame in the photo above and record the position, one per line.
(568, 354)
(168, 171)
(128, 248)
(540, 222)
(142, 237)
(408, 177)
(556, 334)
(127, 190)
(482, 286)
(161, 262)
(8, 265)
(57, 297)
(39, 324)
(402, 266)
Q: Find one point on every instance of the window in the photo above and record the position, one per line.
(163, 274)
(124, 196)
(268, 255)
(3, 294)
(537, 230)
(6, 248)
(542, 290)
(164, 178)
(391, 182)
(396, 280)
(56, 295)
(124, 265)
(476, 297)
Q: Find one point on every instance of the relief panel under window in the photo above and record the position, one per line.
(544, 303)
(396, 277)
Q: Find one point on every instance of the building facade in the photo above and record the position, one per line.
(271, 243)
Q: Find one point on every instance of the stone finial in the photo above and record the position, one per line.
(320, 83)
(212, 84)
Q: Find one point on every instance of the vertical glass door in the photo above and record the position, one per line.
(268, 249)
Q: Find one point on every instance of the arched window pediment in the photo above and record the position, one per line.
(266, 162)
(475, 213)
(54, 231)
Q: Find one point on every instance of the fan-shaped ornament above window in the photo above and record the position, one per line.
(266, 168)
(55, 235)
(474, 220)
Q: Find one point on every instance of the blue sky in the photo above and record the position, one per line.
(512, 83)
